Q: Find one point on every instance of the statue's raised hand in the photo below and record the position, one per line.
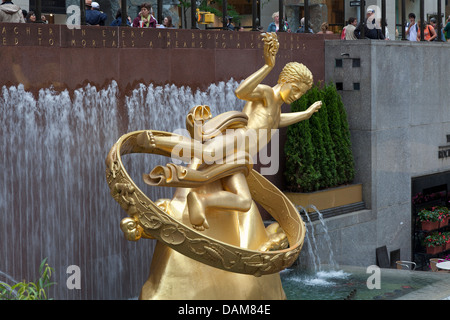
(271, 46)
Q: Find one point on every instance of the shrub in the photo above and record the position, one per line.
(318, 150)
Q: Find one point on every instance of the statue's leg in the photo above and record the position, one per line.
(236, 196)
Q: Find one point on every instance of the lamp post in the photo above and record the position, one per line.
(160, 11)
(306, 3)
(224, 14)
(383, 17)
(362, 8)
(82, 13)
(422, 20)
(439, 21)
(38, 11)
(254, 15)
(193, 14)
(124, 13)
(403, 19)
(281, 16)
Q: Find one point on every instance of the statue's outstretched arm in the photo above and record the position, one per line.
(286, 119)
(247, 90)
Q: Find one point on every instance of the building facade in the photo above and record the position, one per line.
(335, 12)
(400, 130)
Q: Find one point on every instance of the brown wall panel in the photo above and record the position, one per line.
(39, 55)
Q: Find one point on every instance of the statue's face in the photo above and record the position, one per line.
(291, 92)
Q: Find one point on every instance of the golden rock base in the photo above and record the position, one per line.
(174, 276)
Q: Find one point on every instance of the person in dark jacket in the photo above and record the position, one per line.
(94, 17)
(371, 29)
(118, 20)
(145, 18)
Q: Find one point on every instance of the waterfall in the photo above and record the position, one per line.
(327, 238)
(313, 244)
(311, 241)
(54, 199)
(315, 275)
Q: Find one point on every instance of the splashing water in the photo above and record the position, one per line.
(317, 275)
(7, 277)
(10, 281)
(322, 278)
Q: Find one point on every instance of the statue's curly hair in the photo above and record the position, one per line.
(296, 72)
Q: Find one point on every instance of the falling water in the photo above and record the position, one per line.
(54, 200)
(311, 242)
(326, 235)
(316, 275)
(9, 281)
(7, 278)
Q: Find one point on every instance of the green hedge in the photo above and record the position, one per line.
(318, 150)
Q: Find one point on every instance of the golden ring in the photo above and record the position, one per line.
(149, 220)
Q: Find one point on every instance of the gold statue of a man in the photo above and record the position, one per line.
(213, 196)
(260, 116)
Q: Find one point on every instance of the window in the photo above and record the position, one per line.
(336, 14)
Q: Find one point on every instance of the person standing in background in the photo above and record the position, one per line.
(9, 12)
(412, 28)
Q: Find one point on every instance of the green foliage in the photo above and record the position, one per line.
(318, 150)
(29, 290)
(434, 214)
(340, 132)
(436, 239)
(300, 156)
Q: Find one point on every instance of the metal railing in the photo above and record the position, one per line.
(256, 21)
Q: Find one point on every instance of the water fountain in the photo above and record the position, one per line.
(330, 281)
(314, 276)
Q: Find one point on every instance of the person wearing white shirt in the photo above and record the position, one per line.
(412, 28)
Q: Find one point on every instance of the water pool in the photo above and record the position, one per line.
(351, 283)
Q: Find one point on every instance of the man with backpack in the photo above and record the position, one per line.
(412, 29)
(372, 29)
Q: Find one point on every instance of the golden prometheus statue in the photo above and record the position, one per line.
(212, 242)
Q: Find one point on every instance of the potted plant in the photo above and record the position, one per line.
(443, 215)
(446, 239)
(434, 243)
(429, 219)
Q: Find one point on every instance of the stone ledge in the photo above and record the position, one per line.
(328, 198)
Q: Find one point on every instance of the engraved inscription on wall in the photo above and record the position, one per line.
(114, 37)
